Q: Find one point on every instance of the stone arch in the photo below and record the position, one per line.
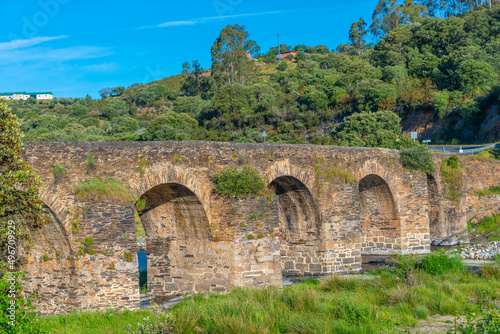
(380, 224)
(299, 219)
(167, 173)
(59, 228)
(51, 269)
(182, 205)
(59, 213)
(388, 175)
(434, 208)
(299, 214)
(181, 256)
(285, 168)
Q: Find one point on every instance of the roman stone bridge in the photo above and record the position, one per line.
(323, 208)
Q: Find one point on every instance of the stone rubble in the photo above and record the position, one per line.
(482, 251)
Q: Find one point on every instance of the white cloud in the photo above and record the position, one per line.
(110, 67)
(177, 23)
(207, 19)
(40, 54)
(25, 43)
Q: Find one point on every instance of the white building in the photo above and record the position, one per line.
(24, 96)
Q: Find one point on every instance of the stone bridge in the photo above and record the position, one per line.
(323, 208)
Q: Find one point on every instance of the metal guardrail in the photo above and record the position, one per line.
(477, 150)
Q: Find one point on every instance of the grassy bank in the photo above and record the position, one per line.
(384, 302)
(109, 322)
(488, 229)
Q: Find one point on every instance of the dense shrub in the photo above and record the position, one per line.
(171, 126)
(419, 158)
(437, 263)
(233, 182)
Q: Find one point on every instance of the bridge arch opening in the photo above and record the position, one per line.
(299, 227)
(178, 237)
(434, 211)
(380, 225)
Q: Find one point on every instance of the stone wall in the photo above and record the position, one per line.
(323, 207)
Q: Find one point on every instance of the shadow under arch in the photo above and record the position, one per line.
(299, 223)
(434, 208)
(380, 226)
(180, 256)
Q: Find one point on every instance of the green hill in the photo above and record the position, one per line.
(437, 76)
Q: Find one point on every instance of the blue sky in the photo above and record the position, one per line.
(74, 48)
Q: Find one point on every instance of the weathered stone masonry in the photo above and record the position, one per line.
(323, 208)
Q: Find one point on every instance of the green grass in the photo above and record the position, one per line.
(490, 191)
(102, 189)
(93, 322)
(139, 228)
(387, 302)
(337, 305)
(491, 226)
(492, 154)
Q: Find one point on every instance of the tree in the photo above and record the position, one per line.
(114, 108)
(117, 91)
(194, 83)
(379, 129)
(389, 14)
(230, 64)
(21, 213)
(171, 126)
(357, 35)
(476, 75)
(283, 48)
(105, 92)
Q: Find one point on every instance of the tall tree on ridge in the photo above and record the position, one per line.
(357, 35)
(230, 64)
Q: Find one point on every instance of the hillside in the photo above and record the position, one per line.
(437, 76)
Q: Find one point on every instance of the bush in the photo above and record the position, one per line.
(438, 263)
(88, 241)
(419, 158)
(24, 320)
(244, 183)
(405, 264)
(90, 160)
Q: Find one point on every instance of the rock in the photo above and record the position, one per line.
(436, 242)
(449, 243)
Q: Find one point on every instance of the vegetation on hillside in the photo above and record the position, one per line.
(445, 68)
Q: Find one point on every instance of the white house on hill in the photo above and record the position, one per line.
(25, 96)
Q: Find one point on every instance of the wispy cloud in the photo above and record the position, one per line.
(110, 67)
(177, 23)
(41, 54)
(207, 19)
(25, 43)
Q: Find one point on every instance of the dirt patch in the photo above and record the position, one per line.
(436, 324)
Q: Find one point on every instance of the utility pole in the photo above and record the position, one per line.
(279, 46)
